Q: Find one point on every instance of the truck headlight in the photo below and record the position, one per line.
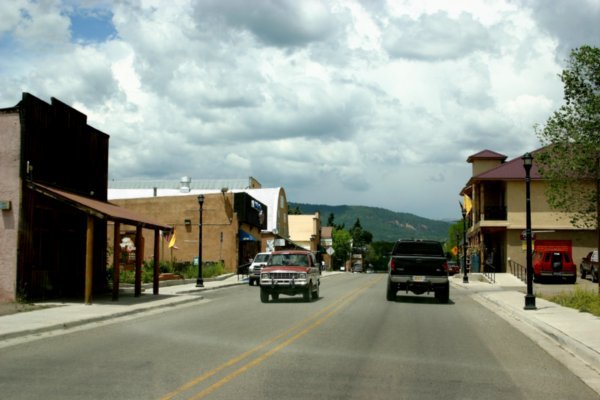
(264, 276)
(301, 276)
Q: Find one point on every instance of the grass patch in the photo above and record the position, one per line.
(580, 299)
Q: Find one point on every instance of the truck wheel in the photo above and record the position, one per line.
(582, 272)
(594, 275)
(391, 291)
(264, 295)
(443, 295)
(275, 296)
(316, 292)
(308, 293)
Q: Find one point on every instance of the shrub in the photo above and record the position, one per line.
(211, 269)
(185, 269)
(580, 299)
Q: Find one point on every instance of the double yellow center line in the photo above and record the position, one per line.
(295, 332)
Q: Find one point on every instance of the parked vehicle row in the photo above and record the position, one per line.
(259, 261)
(589, 266)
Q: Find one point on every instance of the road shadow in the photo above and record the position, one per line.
(291, 299)
(419, 300)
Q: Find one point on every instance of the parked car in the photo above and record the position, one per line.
(553, 260)
(589, 266)
(357, 267)
(259, 261)
(453, 268)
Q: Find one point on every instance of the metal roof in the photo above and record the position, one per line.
(486, 155)
(99, 209)
(200, 184)
(510, 170)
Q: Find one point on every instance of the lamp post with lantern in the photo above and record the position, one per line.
(529, 297)
(464, 216)
(199, 280)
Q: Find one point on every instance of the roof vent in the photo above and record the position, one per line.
(186, 182)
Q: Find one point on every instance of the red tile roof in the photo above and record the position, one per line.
(510, 170)
(486, 155)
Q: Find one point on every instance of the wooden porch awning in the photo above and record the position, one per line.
(108, 211)
(99, 209)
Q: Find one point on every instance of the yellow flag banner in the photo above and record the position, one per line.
(172, 241)
(468, 204)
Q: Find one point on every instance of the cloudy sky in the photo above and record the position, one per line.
(371, 102)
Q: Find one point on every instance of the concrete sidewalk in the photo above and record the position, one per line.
(66, 315)
(576, 332)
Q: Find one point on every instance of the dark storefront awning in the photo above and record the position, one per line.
(246, 237)
(98, 209)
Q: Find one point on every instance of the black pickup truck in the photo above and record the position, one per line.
(419, 266)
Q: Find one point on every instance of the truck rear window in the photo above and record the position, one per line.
(418, 249)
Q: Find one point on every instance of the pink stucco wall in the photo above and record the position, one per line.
(10, 189)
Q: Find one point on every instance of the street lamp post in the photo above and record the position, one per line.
(457, 249)
(464, 215)
(529, 297)
(199, 280)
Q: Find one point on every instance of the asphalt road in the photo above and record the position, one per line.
(350, 344)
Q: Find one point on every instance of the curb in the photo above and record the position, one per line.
(585, 353)
(204, 289)
(95, 319)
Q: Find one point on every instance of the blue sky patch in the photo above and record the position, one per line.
(92, 25)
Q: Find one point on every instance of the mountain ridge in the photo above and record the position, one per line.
(384, 224)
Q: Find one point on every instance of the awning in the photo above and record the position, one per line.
(97, 208)
(245, 236)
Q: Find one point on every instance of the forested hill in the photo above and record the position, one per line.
(385, 225)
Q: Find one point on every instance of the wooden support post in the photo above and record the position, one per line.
(156, 261)
(139, 255)
(89, 260)
(116, 261)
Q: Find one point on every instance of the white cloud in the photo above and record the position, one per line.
(342, 102)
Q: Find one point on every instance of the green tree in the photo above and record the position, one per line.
(295, 211)
(331, 220)
(378, 254)
(571, 161)
(360, 237)
(455, 236)
(342, 247)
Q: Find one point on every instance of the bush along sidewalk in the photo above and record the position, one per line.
(580, 299)
(182, 270)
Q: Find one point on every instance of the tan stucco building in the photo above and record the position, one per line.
(240, 218)
(305, 230)
(497, 220)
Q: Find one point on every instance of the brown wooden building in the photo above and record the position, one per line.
(53, 192)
